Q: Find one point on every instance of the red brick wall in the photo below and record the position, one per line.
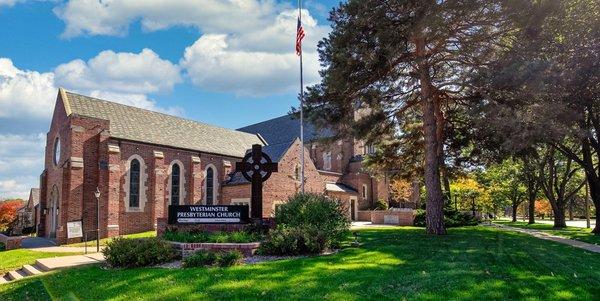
(282, 184)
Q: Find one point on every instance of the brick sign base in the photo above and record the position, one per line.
(187, 249)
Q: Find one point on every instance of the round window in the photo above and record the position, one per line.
(56, 151)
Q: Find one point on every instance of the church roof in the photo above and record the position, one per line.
(141, 125)
(285, 129)
(34, 197)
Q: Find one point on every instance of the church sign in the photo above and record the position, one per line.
(208, 214)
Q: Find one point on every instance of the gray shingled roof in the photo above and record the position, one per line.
(285, 129)
(34, 196)
(141, 125)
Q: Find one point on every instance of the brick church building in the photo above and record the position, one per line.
(142, 161)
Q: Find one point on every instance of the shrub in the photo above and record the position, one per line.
(307, 224)
(1, 247)
(381, 205)
(217, 237)
(204, 258)
(129, 253)
(230, 258)
(199, 259)
(284, 240)
(452, 218)
(186, 236)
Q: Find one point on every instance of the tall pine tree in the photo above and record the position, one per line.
(384, 58)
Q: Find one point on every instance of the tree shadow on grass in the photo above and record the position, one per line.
(30, 289)
(467, 264)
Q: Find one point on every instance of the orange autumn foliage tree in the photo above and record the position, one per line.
(543, 208)
(8, 212)
(401, 190)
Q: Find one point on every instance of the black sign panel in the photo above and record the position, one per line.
(208, 214)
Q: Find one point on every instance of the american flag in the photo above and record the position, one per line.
(299, 36)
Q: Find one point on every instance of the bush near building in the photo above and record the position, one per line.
(130, 253)
(216, 237)
(307, 224)
(205, 258)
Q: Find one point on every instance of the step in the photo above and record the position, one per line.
(49, 264)
(31, 270)
(3, 280)
(15, 275)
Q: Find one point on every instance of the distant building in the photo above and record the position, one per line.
(142, 161)
(28, 216)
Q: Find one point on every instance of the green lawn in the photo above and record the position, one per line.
(104, 241)
(14, 259)
(479, 263)
(577, 233)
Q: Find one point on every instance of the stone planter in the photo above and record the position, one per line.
(187, 249)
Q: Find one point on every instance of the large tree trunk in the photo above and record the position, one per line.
(435, 200)
(514, 211)
(559, 216)
(593, 181)
(531, 211)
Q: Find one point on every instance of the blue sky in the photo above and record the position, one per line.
(225, 62)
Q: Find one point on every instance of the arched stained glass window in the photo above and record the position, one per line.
(134, 183)
(175, 184)
(210, 186)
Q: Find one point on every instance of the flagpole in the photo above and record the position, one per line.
(301, 109)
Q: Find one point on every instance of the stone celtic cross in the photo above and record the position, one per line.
(256, 167)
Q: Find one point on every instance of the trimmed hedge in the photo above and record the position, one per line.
(131, 253)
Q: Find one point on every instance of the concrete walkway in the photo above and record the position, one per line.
(546, 236)
(36, 242)
(359, 225)
(50, 264)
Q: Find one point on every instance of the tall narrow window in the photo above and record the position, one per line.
(134, 183)
(175, 183)
(327, 161)
(210, 186)
(364, 191)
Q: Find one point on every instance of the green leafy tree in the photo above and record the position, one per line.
(385, 61)
(505, 182)
(545, 89)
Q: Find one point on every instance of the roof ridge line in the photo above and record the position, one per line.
(147, 110)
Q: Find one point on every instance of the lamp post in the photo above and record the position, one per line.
(97, 194)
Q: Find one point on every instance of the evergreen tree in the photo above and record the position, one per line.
(385, 58)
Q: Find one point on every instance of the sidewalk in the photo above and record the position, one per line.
(559, 239)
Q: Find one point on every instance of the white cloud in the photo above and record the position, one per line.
(112, 17)
(143, 72)
(255, 63)
(247, 46)
(24, 92)
(122, 77)
(213, 65)
(21, 162)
